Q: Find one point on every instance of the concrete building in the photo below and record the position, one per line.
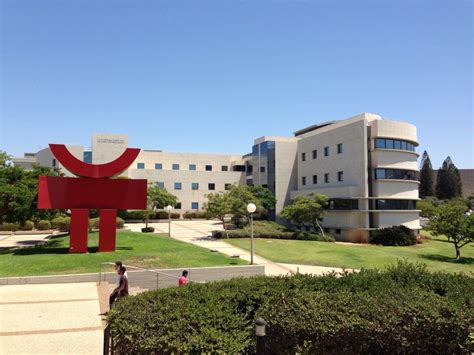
(366, 165)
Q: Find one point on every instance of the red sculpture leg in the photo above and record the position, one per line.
(78, 231)
(107, 230)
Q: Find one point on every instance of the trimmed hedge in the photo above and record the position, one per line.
(43, 225)
(61, 223)
(94, 223)
(393, 236)
(404, 309)
(13, 227)
(191, 215)
(28, 226)
(140, 215)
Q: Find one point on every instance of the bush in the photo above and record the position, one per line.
(191, 215)
(94, 223)
(393, 236)
(61, 223)
(148, 230)
(28, 226)
(127, 215)
(44, 225)
(404, 309)
(120, 223)
(13, 227)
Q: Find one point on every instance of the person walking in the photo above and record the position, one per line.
(183, 280)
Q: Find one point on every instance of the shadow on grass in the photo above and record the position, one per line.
(446, 259)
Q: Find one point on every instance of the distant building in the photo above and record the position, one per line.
(365, 164)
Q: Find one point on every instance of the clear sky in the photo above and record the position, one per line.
(210, 76)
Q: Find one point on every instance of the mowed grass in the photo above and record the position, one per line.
(138, 249)
(437, 254)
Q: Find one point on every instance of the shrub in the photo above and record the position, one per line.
(393, 236)
(44, 225)
(191, 215)
(61, 223)
(28, 226)
(9, 227)
(148, 230)
(94, 223)
(120, 223)
(404, 309)
(127, 215)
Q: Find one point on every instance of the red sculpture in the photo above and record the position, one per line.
(93, 190)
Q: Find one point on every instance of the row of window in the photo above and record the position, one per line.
(194, 186)
(340, 150)
(194, 205)
(191, 167)
(395, 204)
(385, 143)
(343, 204)
(340, 177)
(396, 174)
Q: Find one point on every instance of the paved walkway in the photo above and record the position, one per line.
(52, 319)
(199, 233)
(22, 240)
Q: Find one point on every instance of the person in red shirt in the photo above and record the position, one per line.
(183, 280)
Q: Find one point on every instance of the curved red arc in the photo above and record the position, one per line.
(79, 168)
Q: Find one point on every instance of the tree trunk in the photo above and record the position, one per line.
(225, 229)
(458, 252)
(320, 228)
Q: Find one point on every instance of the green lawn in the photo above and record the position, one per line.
(437, 254)
(138, 249)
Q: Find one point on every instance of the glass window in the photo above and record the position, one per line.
(158, 166)
(160, 184)
(208, 167)
(343, 204)
(404, 145)
(396, 204)
(397, 174)
(139, 165)
(194, 186)
(192, 166)
(224, 168)
(195, 205)
(54, 163)
(380, 173)
(315, 179)
(175, 166)
(389, 174)
(326, 151)
(265, 185)
(337, 230)
(340, 176)
(211, 186)
(326, 177)
(303, 180)
(380, 143)
(177, 206)
(315, 154)
(340, 148)
(227, 186)
(389, 143)
(177, 186)
(397, 144)
(303, 156)
(262, 169)
(238, 168)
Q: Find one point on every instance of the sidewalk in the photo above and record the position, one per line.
(199, 233)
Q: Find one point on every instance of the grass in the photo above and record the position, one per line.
(437, 254)
(139, 249)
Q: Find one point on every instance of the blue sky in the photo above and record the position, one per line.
(210, 76)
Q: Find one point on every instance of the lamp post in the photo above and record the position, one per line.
(260, 324)
(251, 208)
(168, 209)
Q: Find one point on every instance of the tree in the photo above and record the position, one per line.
(5, 159)
(219, 205)
(266, 197)
(157, 198)
(240, 197)
(448, 181)
(452, 220)
(306, 210)
(426, 176)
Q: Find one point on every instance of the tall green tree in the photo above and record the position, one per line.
(306, 210)
(219, 205)
(452, 220)
(266, 197)
(448, 181)
(240, 197)
(5, 159)
(426, 176)
(159, 198)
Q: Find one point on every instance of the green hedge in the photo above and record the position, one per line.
(404, 309)
(393, 236)
(94, 223)
(43, 224)
(140, 215)
(61, 223)
(191, 215)
(13, 227)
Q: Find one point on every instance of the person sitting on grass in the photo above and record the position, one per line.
(183, 280)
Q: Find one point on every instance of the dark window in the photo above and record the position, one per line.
(192, 166)
(380, 143)
(224, 168)
(343, 204)
(208, 167)
(238, 168)
(395, 174)
(177, 186)
(195, 205)
(326, 230)
(326, 151)
(397, 145)
(326, 177)
(315, 179)
(340, 176)
(337, 231)
(404, 145)
(194, 186)
(175, 166)
(315, 154)
(303, 156)
(227, 186)
(262, 169)
(54, 163)
(303, 180)
(211, 186)
(160, 184)
(384, 143)
(396, 204)
(158, 166)
(177, 206)
(265, 185)
(340, 148)
(139, 165)
(250, 169)
(389, 143)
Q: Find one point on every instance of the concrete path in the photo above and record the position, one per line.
(52, 319)
(22, 240)
(199, 233)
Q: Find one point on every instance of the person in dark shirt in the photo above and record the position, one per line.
(122, 289)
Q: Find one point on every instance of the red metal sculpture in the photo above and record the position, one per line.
(92, 190)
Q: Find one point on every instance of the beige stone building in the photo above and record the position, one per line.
(366, 165)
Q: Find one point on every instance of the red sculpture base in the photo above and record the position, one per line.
(78, 231)
(107, 230)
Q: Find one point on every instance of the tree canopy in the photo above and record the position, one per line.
(306, 210)
(426, 176)
(448, 181)
(219, 205)
(159, 198)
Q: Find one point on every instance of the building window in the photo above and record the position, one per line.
(177, 186)
(380, 143)
(262, 169)
(326, 177)
(343, 204)
(326, 151)
(208, 167)
(175, 166)
(303, 156)
(224, 168)
(227, 186)
(211, 186)
(158, 166)
(177, 206)
(303, 180)
(396, 204)
(140, 165)
(315, 154)
(192, 166)
(265, 186)
(195, 205)
(337, 231)
(397, 145)
(54, 163)
(383, 143)
(315, 179)
(340, 176)
(160, 184)
(194, 186)
(238, 168)
(340, 148)
(395, 174)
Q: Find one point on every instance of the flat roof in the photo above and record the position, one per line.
(313, 127)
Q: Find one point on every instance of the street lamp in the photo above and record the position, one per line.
(251, 208)
(260, 324)
(168, 209)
